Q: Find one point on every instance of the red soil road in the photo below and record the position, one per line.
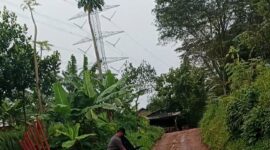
(182, 140)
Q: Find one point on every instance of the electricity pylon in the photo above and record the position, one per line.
(99, 34)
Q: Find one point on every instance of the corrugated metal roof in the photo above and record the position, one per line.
(156, 115)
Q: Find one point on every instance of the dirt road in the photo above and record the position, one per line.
(182, 140)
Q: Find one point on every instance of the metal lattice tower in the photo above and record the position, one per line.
(98, 34)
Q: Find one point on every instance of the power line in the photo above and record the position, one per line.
(135, 41)
(97, 32)
(49, 25)
(52, 19)
(79, 35)
(57, 48)
(60, 48)
(63, 22)
(138, 44)
(126, 54)
(70, 3)
(56, 28)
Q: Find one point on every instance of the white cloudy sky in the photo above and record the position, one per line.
(138, 42)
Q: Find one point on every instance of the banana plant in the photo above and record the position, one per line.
(72, 132)
(62, 104)
(106, 95)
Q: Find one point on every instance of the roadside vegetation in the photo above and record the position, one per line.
(81, 109)
(229, 41)
(222, 84)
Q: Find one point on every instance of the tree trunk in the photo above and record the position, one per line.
(24, 111)
(40, 109)
(110, 115)
(137, 113)
(95, 45)
(136, 103)
(41, 49)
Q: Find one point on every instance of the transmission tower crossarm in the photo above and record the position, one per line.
(115, 59)
(84, 14)
(104, 35)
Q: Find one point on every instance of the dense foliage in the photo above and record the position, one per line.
(17, 69)
(223, 81)
(209, 28)
(143, 77)
(81, 110)
(182, 89)
(229, 40)
(243, 115)
(96, 109)
(10, 139)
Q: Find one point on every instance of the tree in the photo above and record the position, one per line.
(85, 63)
(16, 73)
(15, 52)
(90, 6)
(49, 69)
(72, 66)
(182, 89)
(207, 29)
(156, 103)
(71, 74)
(44, 45)
(142, 77)
(253, 42)
(30, 4)
(17, 76)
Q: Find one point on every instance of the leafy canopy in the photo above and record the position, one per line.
(91, 5)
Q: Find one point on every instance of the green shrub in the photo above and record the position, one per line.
(263, 144)
(248, 114)
(9, 140)
(240, 144)
(128, 120)
(145, 137)
(217, 136)
(241, 121)
(139, 132)
(256, 125)
(241, 104)
(213, 126)
(236, 144)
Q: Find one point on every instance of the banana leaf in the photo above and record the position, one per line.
(62, 104)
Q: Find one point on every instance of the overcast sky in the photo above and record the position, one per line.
(138, 42)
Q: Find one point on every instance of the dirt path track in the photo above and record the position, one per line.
(182, 140)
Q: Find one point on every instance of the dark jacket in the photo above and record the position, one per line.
(127, 144)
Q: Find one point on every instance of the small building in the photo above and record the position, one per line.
(143, 112)
(167, 120)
